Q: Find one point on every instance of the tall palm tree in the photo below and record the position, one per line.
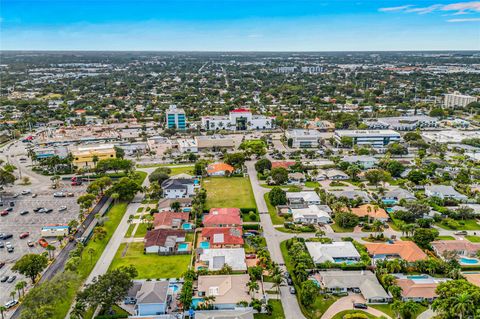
(21, 285)
(277, 282)
(50, 249)
(252, 286)
(463, 305)
(78, 310)
(12, 294)
(2, 311)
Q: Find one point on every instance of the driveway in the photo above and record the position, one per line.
(346, 303)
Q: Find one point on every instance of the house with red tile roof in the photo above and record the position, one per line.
(169, 219)
(371, 211)
(223, 237)
(283, 164)
(406, 250)
(163, 240)
(417, 291)
(219, 169)
(222, 217)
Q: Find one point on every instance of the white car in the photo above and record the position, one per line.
(11, 303)
(62, 208)
(26, 191)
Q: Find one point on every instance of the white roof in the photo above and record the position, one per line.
(306, 196)
(310, 211)
(327, 252)
(216, 258)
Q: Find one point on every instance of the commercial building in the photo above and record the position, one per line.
(214, 142)
(303, 138)
(187, 145)
(457, 99)
(374, 138)
(84, 156)
(175, 118)
(237, 120)
(404, 123)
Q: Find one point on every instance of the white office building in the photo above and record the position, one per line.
(303, 138)
(374, 138)
(403, 123)
(457, 99)
(312, 69)
(238, 120)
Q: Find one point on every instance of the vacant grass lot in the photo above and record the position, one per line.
(141, 230)
(276, 220)
(469, 224)
(229, 192)
(336, 228)
(473, 239)
(151, 266)
(445, 238)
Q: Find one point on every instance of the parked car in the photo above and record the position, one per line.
(70, 194)
(36, 210)
(48, 211)
(43, 242)
(24, 212)
(2, 245)
(59, 194)
(290, 281)
(31, 243)
(4, 212)
(11, 303)
(4, 278)
(461, 233)
(34, 195)
(359, 305)
(24, 235)
(26, 192)
(6, 236)
(16, 195)
(11, 279)
(292, 290)
(2, 264)
(42, 210)
(9, 209)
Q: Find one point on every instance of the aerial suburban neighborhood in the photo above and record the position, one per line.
(240, 185)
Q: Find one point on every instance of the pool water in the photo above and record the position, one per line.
(187, 226)
(174, 288)
(315, 281)
(187, 209)
(389, 201)
(469, 261)
(348, 262)
(204, 244)
(182, 247)
(417, 277)
(196, 301)
(389, 209)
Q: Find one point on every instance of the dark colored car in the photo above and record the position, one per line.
(6, 236)
(24, 212)
(2, 245)
(9, 209)
(2, 264)
(4, 278)
(24, 235)
(37, 209)
(358, 305)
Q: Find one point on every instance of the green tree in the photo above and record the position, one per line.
(119, 152)
(30, 265)
(108, 289)
(346, 219)
(279, 175)
(424, 236)
(263, 165)
(175, 206)
(375, 176)
(308, 292)
(277, 196)
(126, 188)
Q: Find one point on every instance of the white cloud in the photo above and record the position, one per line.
(455, 8)
(393, 9)
(464, 20)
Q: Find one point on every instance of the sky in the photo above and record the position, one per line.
(239, 25)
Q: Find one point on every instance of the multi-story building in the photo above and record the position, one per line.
(311, 69)
(176, 118)
(237, 120)
(87, 156)
(374, 138)
(404, 123)
(303, 138)
(457, 99)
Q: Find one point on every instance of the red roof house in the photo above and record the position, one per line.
(223, 237)
(169, 219)
(222, 217)
(284, 164)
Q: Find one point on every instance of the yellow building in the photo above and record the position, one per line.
(83, 156)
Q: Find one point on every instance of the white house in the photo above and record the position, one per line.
(178, 188)
(214, 259)
(303, 198)
(444, 192)
(336, 252)
(310, 215)
(365, 161)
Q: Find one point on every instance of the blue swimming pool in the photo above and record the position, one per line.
(389, 209)
(187, 226)
(187, 209)
(469, 261)
(315, 281)
(182, 247)
(341, 260)
(196, 301)
(417, 277)
(389, 201)
(174, 288)
(204, 245)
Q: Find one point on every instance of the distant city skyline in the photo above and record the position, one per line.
(240, 25)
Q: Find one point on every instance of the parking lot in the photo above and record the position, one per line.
(15, 224)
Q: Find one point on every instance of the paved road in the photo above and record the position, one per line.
(273, 237)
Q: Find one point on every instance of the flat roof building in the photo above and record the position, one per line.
(374, 138)
(303, 138)
(175, 118)
(457, 99)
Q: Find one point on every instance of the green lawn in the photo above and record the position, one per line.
(346, 312)
(473, 239)
(229, 192)
(469, 224)
(445, 238)
(277, 311)
(151, 266)
(141, 230)
(387, 309)
(182, 170)
(88, 261)
(339, 229)
(276, 220)
(130, 230)
(312, 184)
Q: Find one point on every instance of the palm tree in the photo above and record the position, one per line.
(277, 282)
(50, 249)
(78, 310)
(90, 252)
(21, 285)
(2, 311)
(320, 233)
(409, 309)
(12, 294)
(252, 286)
(377, 226)
(115, 197)
(463, 304)
(95, 160)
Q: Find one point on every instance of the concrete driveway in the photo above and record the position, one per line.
(346, 303)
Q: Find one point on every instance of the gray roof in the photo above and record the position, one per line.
(352, 194)
(246, 313)
(153, 292)
(365, 280)
(321, 252)
(399, 193)
(177, 183)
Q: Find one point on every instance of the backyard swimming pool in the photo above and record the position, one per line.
(204, 245)
(187, 226)
(196, 301)
(182, 247)
(174, 288)
(469, 261)
(417, 277)
(389, 201)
